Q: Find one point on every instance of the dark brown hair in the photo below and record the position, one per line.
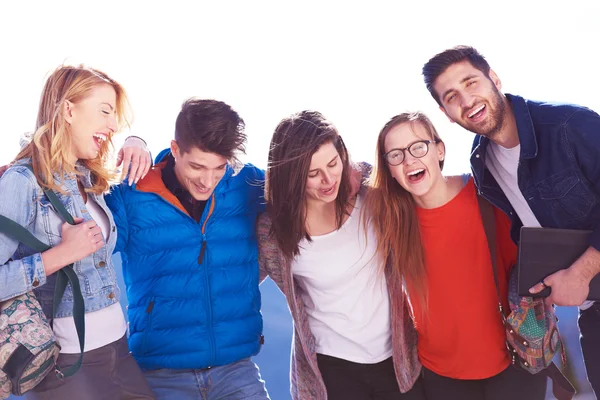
(440, 62)
(294, 142)
(392, 214)
(212, 126)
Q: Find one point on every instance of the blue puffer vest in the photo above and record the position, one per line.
(192, 286)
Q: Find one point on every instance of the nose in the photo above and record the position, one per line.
(326, 178)
(409, 159)
(209, 178)
(112, 123)
(468, 100)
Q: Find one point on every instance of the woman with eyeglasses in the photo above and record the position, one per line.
(430, 233)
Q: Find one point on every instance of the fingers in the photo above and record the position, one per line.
(127, 153)
(95, 231)
(120, 158)
(134, 169)
(145, 164)
(537, 288)
(543, 284)
(76, 219)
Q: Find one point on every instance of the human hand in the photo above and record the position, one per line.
(568, 287)
(358, 173)
(78, 242)
(134, 159)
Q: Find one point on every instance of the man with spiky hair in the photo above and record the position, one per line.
(186, 233)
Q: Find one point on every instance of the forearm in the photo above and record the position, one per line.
(55, 259)
(588, 265)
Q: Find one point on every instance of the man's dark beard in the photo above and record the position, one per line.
(498, 108)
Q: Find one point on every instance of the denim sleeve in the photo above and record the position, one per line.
(17, 196)
(115, 201)
(583, 135)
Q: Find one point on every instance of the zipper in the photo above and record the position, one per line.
(148, 324)
(211, 333)
(203, 246)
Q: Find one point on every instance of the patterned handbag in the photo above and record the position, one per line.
(28, 348)
(532, 337)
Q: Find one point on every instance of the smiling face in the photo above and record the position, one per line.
(198, 171)
(471, 99)
(91, 121)
(324, 175)
(416, 175)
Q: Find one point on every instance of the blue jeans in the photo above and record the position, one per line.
(589, 326)
(237, 381)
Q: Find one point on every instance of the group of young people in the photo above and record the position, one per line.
(387, 272)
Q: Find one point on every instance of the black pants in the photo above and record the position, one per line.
(589, 326)
(512, 383)
(346, 380)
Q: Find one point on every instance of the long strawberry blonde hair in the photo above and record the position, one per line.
(50, 144)
(392, 214)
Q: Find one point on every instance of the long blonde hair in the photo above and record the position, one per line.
(392, 213)
(50, 144)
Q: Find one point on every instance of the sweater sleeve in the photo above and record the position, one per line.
(270, 259)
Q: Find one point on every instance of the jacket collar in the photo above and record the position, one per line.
(525, 130)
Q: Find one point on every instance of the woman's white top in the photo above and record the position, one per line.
(345, 293)
(102, 327)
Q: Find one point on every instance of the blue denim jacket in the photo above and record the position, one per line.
(21, 269)
(559, 167)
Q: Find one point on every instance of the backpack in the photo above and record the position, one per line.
(28, 347)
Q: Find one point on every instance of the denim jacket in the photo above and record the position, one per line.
(22, 270)
(559, 166)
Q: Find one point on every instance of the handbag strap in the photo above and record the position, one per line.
(64, 276)
(489, 225)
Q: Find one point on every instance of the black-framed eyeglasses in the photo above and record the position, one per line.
(417, 150)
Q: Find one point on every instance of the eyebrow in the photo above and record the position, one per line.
(316, 169)
(463, 80)
(108, 104)
(204, 166)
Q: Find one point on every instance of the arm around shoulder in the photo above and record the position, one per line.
(270, 259)
(115, 200)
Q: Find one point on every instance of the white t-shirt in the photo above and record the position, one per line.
(503, 164)
(101, 327)
(345, 293)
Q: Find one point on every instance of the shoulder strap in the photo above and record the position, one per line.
(64, 276)
(489, 225)
(17, 232)
(58, 206)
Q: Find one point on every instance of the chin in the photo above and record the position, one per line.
(201, 196)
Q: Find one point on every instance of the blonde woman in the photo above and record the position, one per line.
(80, 110)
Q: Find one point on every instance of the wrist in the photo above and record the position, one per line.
(133, 137)
(53, 260)
(588, 265)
